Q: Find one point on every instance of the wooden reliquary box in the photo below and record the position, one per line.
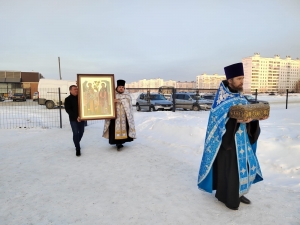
(253, 111)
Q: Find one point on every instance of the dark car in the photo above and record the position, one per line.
(209, 97)
(252, 100)
(18, 97)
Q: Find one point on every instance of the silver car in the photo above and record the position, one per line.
(191, 101)
(152, 102)
(208, 97)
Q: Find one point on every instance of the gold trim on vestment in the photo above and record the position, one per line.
(120, 123)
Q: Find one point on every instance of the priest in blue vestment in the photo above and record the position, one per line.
(229, 164)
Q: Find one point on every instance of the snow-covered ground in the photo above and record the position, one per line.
(278, 99)
(153, 180)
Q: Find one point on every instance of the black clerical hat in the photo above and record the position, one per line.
(121, 83)
(234, 70)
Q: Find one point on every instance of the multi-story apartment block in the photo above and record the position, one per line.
(186, 84)
(270, 74)
(132, 85)
(151, 83)
(156, 83)
(171, 83)
(205, 81)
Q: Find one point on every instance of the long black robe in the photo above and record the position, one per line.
(111, 131)
(225, 167)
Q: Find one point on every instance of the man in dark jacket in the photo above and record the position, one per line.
(71, 107)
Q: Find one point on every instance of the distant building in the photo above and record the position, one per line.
(151, 83)
(205, 81)
(132, 85)
(186, 84)
(19, 82)
(30, 82)
(271, 74)
(170, 83)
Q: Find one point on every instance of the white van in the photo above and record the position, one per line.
(48, 92)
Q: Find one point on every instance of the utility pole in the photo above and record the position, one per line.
(59, 67)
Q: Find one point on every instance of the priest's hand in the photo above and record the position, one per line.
(245, 121)
(78, 119)
(116, 100)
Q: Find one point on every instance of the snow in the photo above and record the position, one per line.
(278, 99)
(153, 180)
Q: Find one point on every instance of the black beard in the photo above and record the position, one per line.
(238, 89)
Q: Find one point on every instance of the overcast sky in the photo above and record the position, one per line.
(136, 39)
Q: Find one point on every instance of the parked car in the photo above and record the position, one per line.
(167, 96)
(252, 100)
(191, 101)
(18, 97)
(209, 97)
(35, 96)
(156, 102)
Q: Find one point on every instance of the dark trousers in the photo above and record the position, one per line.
(112, 140)
(226, 178)
(78, 130)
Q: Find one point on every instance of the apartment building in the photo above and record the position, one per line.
(186, 84)
(151, 83)
(171, 83)
(144, 83)
(132, 85)
(270, 74)
(206, 81)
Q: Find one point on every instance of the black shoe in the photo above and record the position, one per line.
(245, 200)
(233, 208)
(78, 152)
(119, 146)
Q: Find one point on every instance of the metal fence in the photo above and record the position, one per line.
(172, 94)
(28, 113)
